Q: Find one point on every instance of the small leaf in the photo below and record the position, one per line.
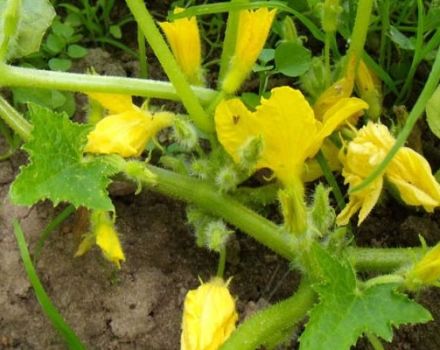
(35, 17)
(116, 31)
(433, 112)
(76, 51)
(60, 64)
(292, 59)
(54, 43)
(346, 310)
(63, 30)
(47, 98)
(57, 169)
(266, 56)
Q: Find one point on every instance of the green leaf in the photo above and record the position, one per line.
(60, 64)
(54, 43)
(115, 31)
(76, 51)
(34, 18)
(57, 169)
(292, 59)
(433, 112)
(346, 311)
(63, 30)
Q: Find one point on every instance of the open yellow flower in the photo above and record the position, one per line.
(426, 270)
(184, 39)
(288, 128)
(104, 235)
(253, 29)
(408, 171)
(127, 130)
(209, 316)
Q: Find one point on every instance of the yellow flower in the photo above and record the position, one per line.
(209, 316)
(104, 236)
(408, 171)
(287, 126)
(252, 32)
(127, 130)
(427, 270)
(184, 39)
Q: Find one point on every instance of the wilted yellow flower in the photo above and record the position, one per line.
(209, 316)
(184, 39)
(127, 130)
(342, 88)
(369, 89)
(288, 128)
(408, 171)
(104, 235)
(253, 29)
(427, 270)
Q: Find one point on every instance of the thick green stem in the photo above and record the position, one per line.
(15, 121)
(35, 78)
(272, 320)
(230, 39)
(383, 259)
(170, 66)
(414, 115)
(360, 30)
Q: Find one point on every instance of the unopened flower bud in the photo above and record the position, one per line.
(216, 235)
(313, 81)
(185, 134)
(426, 271)
(330, 15)
(250, 152)
(289, 32)
(227, 179)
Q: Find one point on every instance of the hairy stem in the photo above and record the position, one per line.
(36, 78)
(272, 320)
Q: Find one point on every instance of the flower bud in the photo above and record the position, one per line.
(185, 134)
(216, 235)
(330, 15)
(288, 30)
(427, 270)
(250, 152)
(227, 179)
(209, 316)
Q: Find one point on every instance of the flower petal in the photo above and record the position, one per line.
(235, 124)
(114, 103)
(412, 176)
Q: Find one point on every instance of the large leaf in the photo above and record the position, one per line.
(346, 310)
(35, 16)
(433, 112)
(57, 169)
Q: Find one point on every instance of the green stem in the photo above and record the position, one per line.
(264, 324)
(375, 341)
(143, 67)
(15, 121)
(221, 262)
(230, 39)
(385, 19)
(331, 179)
(414, 115)
(170, 66)
(360, 30)
(35, 78)
(417, 52)
(383, 259)
(327, 42)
